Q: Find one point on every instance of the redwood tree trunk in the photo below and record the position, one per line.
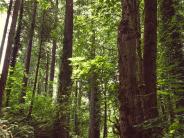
(53, 56)
(94, 124)
(150, 45)
(105, 132)
(94, 97)
(28, 54)
(14, 53)
(5, 29)
(4, 74)
(52, 67)
(46, 71)
(130, 107)
(61, 127)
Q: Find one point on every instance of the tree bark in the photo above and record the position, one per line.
(14, 53)
(5, 29)
(105, 133)
(130, 106)
(94, 95)
(53, 56)
(28, 54)
(94, 125)
(47, 71)
(150, 46)
(61, 127)
(4, 74)
(52, 67)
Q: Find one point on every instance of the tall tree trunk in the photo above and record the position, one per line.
(76, 109)
(47, 72)
(4, 74)
(5, 29)
(139, 48)
(37, 65)
(94, 97)
(130, 107)
(94, 125)
(52, 67)
(28, 54)
(53, 56)
(105, 133)
(61, 127)
(77, 106)
(150, 46)
(36, 78)
(14, 53)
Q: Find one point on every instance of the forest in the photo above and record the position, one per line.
(92, 69)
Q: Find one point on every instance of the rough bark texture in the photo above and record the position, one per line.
(78, 96)
(94, 124)
(105, 132)
(4, 74)
(130, 106)
(46, 71)
(28, 54)
(150, 45)
(14, 53)
(61, 129)
(94, 94)
(52, 67)
(5, 29)
(53, 56)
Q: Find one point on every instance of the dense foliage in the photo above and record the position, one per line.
(72, 82)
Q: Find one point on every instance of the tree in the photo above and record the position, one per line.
(94, 95)
(149, 62)
(28, 53)
(4, 74)
(61, 126)
(129, 98)
(37, 66)
(14, 52)
(53, 54)
(5, 28)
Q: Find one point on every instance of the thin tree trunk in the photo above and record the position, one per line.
(139, 48)
(28, 54)
(105, 133)
(4, 74)
(37, 66)
(52, 67)
(53, 57)
(47, 72)
(5, 29)
(94, 125)
(76, 110)
(14, 53)
(94, 98)
(61, 126)
(36, 78)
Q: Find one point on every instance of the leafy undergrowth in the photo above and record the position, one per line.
(14, 122)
